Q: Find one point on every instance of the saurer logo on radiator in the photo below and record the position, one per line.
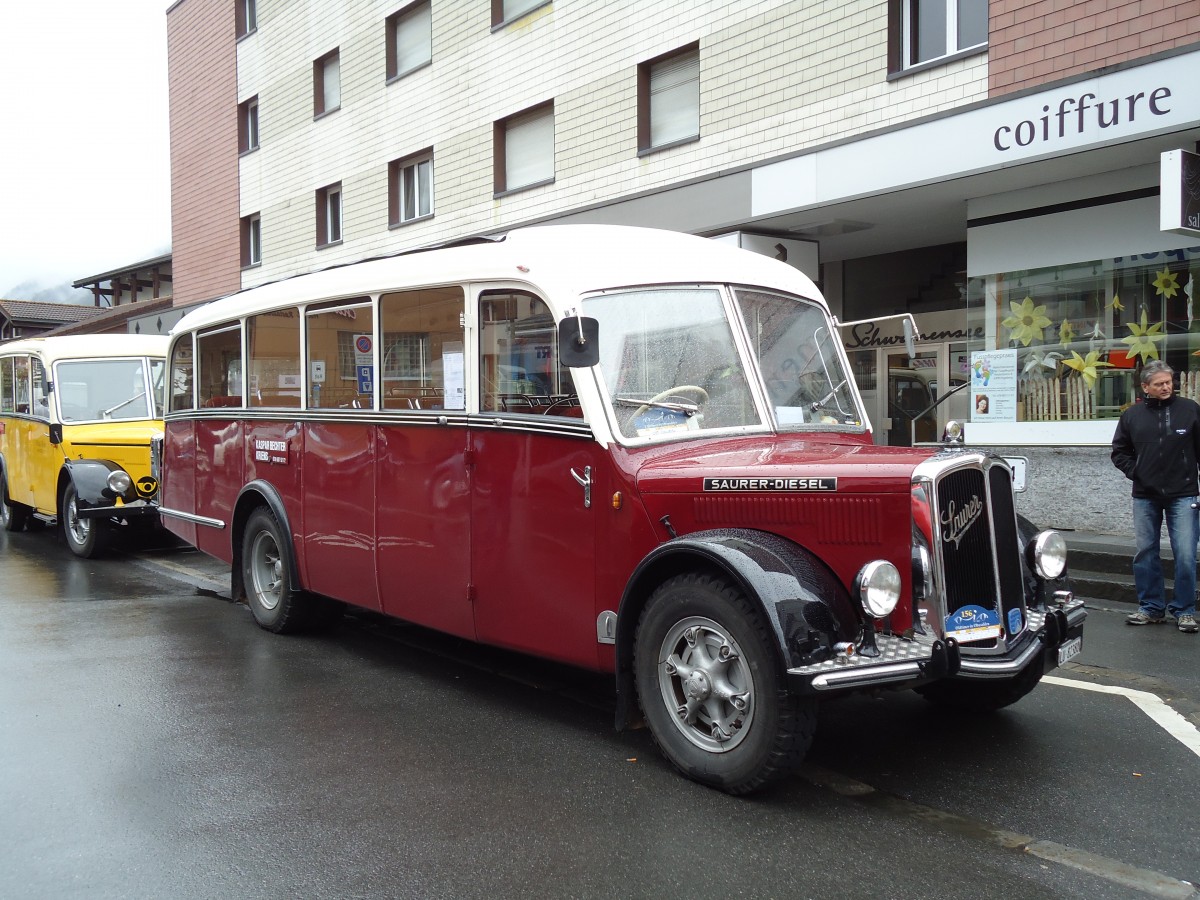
(957, 521)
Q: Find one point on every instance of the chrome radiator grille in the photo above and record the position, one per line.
(975, 520)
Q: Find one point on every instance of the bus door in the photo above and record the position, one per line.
(33, 462)
(537, 485)
(339, 477)
(422, 496)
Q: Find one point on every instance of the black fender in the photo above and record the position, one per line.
(252, 495)
(90, 478)
(805, 605)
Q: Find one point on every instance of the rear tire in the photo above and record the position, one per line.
(86, 537)
(274, 601)
(13, 516)
(710, 689)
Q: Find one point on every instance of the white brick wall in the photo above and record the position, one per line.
(776, 77)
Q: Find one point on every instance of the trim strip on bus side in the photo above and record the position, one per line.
(189, 517)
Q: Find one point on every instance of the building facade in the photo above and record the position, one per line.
(983, 165)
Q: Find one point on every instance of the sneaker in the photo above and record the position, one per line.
(1141, 618)
(1186, 624)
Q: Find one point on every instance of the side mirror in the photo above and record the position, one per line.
(910, 337)
(56, 434)
(579, 342)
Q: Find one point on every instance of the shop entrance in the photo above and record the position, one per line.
(903, 403)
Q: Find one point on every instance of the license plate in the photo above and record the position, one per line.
(1070, 650)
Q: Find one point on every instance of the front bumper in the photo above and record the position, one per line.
(901, 663)
(132, 510)
(1047, 632)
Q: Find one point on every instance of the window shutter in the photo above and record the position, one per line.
(675, 99)
(529, 150)
(414, 38)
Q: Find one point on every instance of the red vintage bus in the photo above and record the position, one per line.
(625, 449)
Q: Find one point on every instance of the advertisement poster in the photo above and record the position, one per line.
(994, 386)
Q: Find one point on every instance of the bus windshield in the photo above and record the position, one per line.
(671, 363)
(97, 390)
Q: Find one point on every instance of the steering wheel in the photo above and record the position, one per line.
(701, 395)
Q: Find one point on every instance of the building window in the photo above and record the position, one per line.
(524, 149)
(506, 10)
(410, 188)
(248, 125)
(251, 241)
(329, 215)
(246, 12)
(932, 30)
(669, 99)
(327, 84)
(1080, 334)
(409, 39)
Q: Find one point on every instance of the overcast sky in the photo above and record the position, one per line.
(84, 152)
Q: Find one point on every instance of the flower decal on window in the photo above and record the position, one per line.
(1027, 322)
(1087, 366)
(1166, 283)
(1142, 339)
(1066, 332)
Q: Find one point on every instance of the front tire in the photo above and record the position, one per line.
(276, 604)
(87, 538)
(710, 689)
(13, 516)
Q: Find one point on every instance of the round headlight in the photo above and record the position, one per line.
(954, 432)
(1050, 554)
(878, 588)
(119, 482)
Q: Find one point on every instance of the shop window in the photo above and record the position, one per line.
(410, 188)
(327, 84)
(1082, 332)
(409, 39)
(923, 32)
(669, 99)
(524, 149)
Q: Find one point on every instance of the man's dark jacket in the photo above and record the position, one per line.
(1156, 445)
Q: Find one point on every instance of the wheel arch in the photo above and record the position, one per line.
(90, 478)
(252, 496)
(794, 591)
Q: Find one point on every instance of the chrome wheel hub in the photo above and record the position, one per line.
(706, 682)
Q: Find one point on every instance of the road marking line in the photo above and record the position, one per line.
(1147, 881)
(1151, 704)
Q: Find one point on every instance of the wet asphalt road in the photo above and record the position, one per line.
(154, 743)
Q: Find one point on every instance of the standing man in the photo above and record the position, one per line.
(1156, 445)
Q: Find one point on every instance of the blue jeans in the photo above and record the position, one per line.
(1147, 567)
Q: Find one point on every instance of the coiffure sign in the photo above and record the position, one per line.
(1121, 106)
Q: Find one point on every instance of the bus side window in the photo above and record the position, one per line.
(341, 339)
(21, 383)
(220, 369)
(422, 352)
(7, 401)
(37, 381)
(181, 375)
(273, 346)
(519, 370)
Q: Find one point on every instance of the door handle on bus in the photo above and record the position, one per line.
(585, 482)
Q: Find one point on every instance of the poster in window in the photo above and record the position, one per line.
(994, 386)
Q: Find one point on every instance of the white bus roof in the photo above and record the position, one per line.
(560, 262)
(87, 346)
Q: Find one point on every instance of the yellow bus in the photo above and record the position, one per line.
(77, 416)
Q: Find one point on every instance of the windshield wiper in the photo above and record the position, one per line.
(818, 404)
(690, 408)
(105, 413)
